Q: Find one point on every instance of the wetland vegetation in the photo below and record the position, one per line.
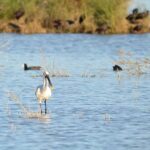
(93, 105)
(70, 16)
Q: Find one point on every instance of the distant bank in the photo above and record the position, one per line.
(72, 16)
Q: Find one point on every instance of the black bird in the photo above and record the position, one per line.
(135, 11)
(18, 14)
(81, 19)
(142, 15)
(14, 27)
(57, 23)
(31, 67)
(70, 22)
(117, 68)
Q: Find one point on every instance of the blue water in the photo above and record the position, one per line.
(87, 113)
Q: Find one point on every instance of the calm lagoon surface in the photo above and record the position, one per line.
(93, 108)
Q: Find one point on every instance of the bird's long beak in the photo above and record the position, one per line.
(50, 83)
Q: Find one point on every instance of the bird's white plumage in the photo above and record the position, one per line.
(43, 93)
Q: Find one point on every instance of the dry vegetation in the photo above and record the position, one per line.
(75, 16)
(50, 65)
(24, 111)
(133, 66)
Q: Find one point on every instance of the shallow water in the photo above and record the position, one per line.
(94, 108)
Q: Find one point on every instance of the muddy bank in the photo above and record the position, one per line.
(136, 22)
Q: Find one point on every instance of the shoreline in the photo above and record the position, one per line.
(115, 33)
(134, 23)
(124, 33)
(20, 27)
(98, 17)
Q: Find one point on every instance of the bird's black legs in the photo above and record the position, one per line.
(45, 107)
(40, 108)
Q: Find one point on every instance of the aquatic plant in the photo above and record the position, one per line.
(88, 74)
(50, 64)
(132, 65)
(25, 112)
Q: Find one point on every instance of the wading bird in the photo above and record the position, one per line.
(43, 92)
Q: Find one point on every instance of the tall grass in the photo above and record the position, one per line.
(7, 8)
(111, 12)
(97, 12)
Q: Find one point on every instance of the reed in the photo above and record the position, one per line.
(88, 74)
(133, 66)
(50, 64)
(111, 12)
(25, 112)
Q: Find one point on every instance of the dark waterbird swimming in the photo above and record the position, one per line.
(26, 67)
(117, 68)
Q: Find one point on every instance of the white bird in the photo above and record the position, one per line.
(43, 92)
